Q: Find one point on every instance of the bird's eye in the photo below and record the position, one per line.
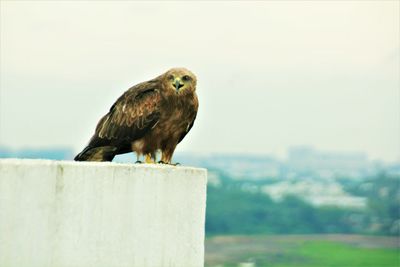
(185, 78)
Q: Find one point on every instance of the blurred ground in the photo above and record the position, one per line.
(302, 251)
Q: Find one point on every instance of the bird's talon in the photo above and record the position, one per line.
(161, 162)
(138, 162)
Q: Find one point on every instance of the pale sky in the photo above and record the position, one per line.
(270, 74)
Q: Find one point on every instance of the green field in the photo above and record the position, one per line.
(302, 251)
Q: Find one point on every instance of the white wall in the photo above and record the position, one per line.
(58, 213)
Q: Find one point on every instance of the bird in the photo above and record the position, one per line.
(150, 117)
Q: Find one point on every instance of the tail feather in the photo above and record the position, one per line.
(103, 153)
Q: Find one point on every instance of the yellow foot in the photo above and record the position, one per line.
(148, 158)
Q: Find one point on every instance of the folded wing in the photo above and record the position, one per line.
(131, 116)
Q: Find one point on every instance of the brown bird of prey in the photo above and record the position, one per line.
(149, 117)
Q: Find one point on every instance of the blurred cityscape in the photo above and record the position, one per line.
(316, 176)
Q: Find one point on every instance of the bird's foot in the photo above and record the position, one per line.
(168, 163)
(148, 158)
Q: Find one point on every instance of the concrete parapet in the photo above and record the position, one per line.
(64, 214)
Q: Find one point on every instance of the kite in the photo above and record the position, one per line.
(150, 117)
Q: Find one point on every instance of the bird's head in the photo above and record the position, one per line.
(180, 80)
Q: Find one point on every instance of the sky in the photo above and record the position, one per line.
(271, 75)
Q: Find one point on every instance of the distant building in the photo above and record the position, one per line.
(251, 167)
(317, 193)
(328, 164)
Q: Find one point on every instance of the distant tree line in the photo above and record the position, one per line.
(233, 209)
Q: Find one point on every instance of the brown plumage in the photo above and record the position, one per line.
(149, 117)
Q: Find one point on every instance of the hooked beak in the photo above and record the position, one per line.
(177, 84)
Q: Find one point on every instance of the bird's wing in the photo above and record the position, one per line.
(190, 123)
(132, 115)
(187, 130)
